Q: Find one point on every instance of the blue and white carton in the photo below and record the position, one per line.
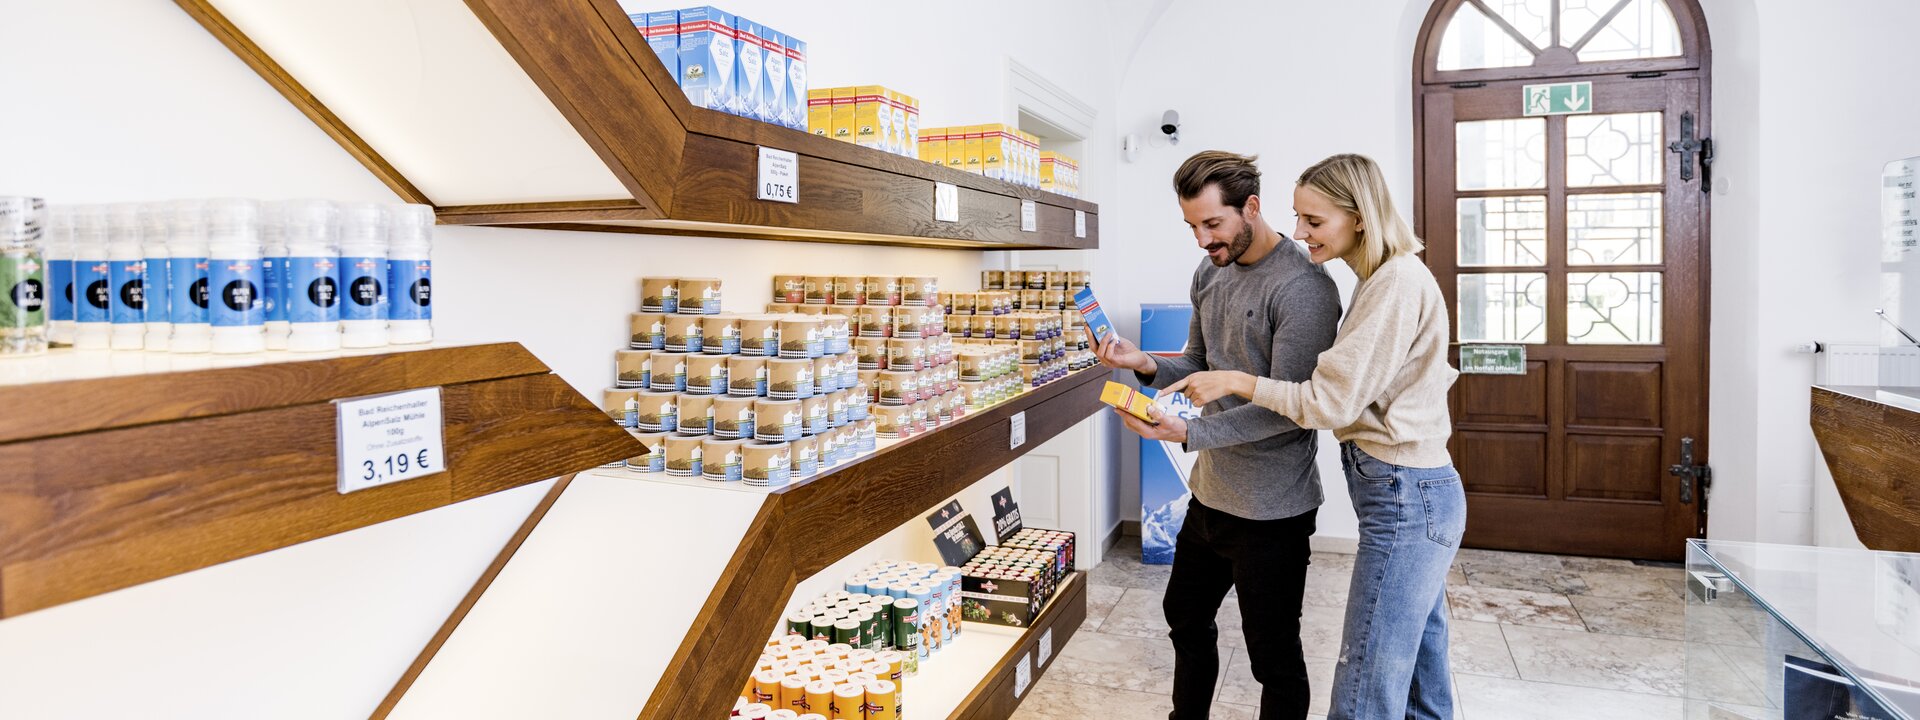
(662, 30)
(1164, 466)
(707, 62)
(749, 70)
(796, 83)
(773, 86)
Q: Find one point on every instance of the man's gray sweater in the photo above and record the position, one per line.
(1273, 319)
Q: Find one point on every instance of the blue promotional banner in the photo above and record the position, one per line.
(1164, 466)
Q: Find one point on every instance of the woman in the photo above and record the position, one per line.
(1382, 390)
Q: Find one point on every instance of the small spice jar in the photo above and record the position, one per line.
(660, 294)
(746, 376)
(699, 296)
(706, 375)
(631, 368)
(647, 331)
(695, 414)
(789, 378)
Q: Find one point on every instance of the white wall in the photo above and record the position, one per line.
(135, 101)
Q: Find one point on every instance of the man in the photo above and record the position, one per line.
(1260, 307)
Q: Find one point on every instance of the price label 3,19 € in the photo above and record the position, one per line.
(389, 438)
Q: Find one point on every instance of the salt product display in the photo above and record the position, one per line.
(311, 230)
(235, 276)
(189, 298)
(363, 275)
(409, 274)
(23, 277)
(127, 277)
(156, 225)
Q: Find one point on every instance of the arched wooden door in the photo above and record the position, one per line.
(1561, 193)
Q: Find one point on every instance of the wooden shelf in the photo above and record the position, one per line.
(1870, 439)
(992, 683)
(688, 170)
(120, 479)
(801, 530)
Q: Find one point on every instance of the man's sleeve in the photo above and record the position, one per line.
(1170, 370)
(1309, 312)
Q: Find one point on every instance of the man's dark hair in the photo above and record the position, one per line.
(1236, 175)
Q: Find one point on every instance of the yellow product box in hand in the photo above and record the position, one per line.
(1129, 401)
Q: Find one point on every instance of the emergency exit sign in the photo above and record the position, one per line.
(1571, 98)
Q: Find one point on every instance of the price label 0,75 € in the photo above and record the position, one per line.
(389, 438)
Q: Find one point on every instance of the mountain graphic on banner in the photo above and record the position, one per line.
(1158, 528)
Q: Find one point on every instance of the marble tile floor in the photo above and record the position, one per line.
(1533, 636)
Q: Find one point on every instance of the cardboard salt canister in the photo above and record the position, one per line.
(873, 321)
(1036, 280)
(870, 353)
(993, 279)
(777, 420)
(647, 331)
(893, 421)
(706, 374)
(919, 290)
(746, 376)
(859, 400)
(660, 294)
(789, 378)
(908, 321)
(867, 434)
(782, 308)
(654, 460)
(618, 404)
(826, 374)
(667, 371)
(870, 381)
(818, 290)
(699, 296)
(805, 456)
(813, 412)
(789, 289)
(720, 334)
(720, 459)
(683, 333)
(837, 408)
(883, 290)
(906, 354)
(695, 414)
(813, 311)
(733, 417)
(895, 387)
(839, 331)
(768, 464)
(656, 411)
(630, 368)
(684, 455)
(800, 337)
(849, 290)
(760, 335)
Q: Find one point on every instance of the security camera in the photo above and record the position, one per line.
(1170, 125)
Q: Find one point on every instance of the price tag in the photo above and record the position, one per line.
(1079, 223)
(1029, 216)
(946, 202)
(1022, 677)
(779, 176)
(1017, 436)
(389, 438)
(1045, 649)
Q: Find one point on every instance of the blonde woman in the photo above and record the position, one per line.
(1382, 390)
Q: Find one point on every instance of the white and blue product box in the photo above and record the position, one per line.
(662, 29)
(773, 86)
(796, 83)
(1164, 466)
(750, 69)
(707, 61)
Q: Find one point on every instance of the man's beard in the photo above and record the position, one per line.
(1238, 247)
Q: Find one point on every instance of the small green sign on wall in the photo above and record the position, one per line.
(1569, 98)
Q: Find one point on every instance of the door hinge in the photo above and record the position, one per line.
(1692, 477)
(1690, 149)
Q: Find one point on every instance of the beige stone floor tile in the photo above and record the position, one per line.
(1479, 648)
(1052, 699)
(1100, 602)
(1240, 688)
(1124, 663)
(1513, 607)
(1612, 662)
(1487, 698)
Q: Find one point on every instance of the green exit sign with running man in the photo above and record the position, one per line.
(1572, 98)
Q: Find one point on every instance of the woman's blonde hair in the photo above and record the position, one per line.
(1354, 184)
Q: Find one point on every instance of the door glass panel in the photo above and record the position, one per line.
(1533, 18)
(1618, 149)
(1473, 41)
(1500, 154)
(1579, 16)
(1644, 29)
(1505, 231)
(1621, 308)
(1503, 307)
(1613, 229)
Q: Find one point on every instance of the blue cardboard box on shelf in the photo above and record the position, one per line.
(1164, 466)
(707, 62)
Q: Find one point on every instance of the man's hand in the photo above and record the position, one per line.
(1205, 387)
(1118, 352)
(1170, 429)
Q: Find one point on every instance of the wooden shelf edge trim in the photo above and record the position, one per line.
(1062, 617)
(242, 46)
(472, 597)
